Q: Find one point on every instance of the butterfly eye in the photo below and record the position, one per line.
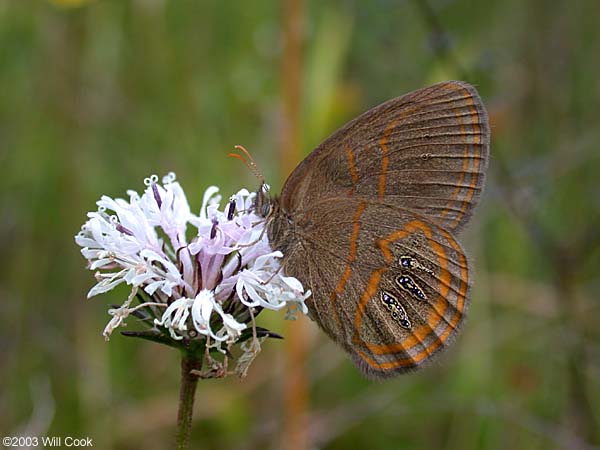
(265, 210)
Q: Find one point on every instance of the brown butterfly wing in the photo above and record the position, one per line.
(394, 183)
(426, 151)
(349, 252)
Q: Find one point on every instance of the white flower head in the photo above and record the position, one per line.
(209, 288)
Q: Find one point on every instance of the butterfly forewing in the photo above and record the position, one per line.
(426, 151)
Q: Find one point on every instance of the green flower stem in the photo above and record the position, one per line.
(191, 360)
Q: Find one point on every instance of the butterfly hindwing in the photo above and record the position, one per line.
(389, 286)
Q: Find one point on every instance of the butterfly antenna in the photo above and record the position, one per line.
(249, 162)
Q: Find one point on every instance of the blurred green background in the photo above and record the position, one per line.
(97, 95)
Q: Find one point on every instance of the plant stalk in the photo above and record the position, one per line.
(190, 361)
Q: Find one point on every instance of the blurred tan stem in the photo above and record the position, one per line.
(296, 387)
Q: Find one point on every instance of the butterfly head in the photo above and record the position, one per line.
(263, 205)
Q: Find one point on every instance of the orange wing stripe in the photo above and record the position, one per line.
(339, 289)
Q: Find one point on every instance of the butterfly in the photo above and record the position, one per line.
(368, 223)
